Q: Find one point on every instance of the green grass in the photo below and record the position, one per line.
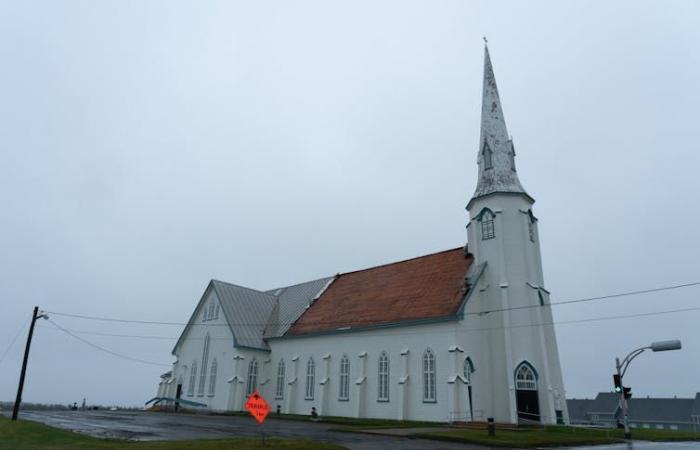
(556, 435)
(25, 435)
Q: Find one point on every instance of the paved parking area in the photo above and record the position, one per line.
(163, 426)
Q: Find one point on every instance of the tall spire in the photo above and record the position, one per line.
(496, 151)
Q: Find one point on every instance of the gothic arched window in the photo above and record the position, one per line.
(193, 379)
(429, 380)
(310, 379)
(212, 377)
(511, 155)
(279, 391)
(252, 376)
(205, 364)
(383, 386)
(468, 369)
(344, 393)
(487, 155)
(488, 230)
(525, 378)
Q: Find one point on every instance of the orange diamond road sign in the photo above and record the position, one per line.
(257, 406)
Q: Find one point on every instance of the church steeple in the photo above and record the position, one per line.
(496, 151)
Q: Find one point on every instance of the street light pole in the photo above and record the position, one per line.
(621, 367)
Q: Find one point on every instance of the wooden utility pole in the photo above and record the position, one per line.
(18, 400)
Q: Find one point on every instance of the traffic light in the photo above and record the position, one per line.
(628, 392)
(617, 380)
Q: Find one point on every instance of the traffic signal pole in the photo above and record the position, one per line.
(621, 367)
(623, 401)
(20, 388)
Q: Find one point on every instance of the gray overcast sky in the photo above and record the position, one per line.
(148, 146)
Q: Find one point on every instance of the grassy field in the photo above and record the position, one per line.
(550, 436)
(25, 435)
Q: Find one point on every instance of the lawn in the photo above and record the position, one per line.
(556, 435)
(25, 435)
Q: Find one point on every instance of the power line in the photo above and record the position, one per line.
(9, 347)
(405, 333)
(345, 322)
(119, 355)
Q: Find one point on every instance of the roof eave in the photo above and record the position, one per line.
(403, 323)
(479, 197)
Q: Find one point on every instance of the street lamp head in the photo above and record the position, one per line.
(663, 346)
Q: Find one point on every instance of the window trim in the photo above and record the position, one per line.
(383, 377)
(525, 384)
(310, 391)
(205, 362)
(281, 374)
(344, 379)
(252, 379)
(212, 377)
(429, 376)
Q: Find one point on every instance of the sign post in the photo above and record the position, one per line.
(258, 407)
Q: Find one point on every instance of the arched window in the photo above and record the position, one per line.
(279, 391)
(525, 378)
(512, 156)
(488, 156)
(487, 228)
(193, 379)
(383, 386)
(216, 312)
(205, 364)
(310, 379)
(468, 369)
(531, 220)
(252, 376)
(212, 377)
(211, 311)
(429, 381)
(344, 378)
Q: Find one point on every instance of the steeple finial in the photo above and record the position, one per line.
(496, 152)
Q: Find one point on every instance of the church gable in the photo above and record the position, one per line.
(426, 288)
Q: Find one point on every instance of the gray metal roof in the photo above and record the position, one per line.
(247, 312)
(605, 403)
(662, 409)
(254, 315)
(578, 409)
(643, 409)
(293, 301)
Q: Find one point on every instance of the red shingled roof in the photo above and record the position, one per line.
(426, 287)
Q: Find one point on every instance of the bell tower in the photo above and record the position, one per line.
(518, 343)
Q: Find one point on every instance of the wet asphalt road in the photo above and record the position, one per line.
(161, 426)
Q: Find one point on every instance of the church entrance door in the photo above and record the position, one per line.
(526, 394)
(528, 406)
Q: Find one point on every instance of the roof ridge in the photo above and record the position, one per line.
(298, 284)
(401, 261)
(215, 281)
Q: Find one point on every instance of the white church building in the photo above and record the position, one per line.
(460, 335)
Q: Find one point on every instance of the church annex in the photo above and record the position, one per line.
(459, 335)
